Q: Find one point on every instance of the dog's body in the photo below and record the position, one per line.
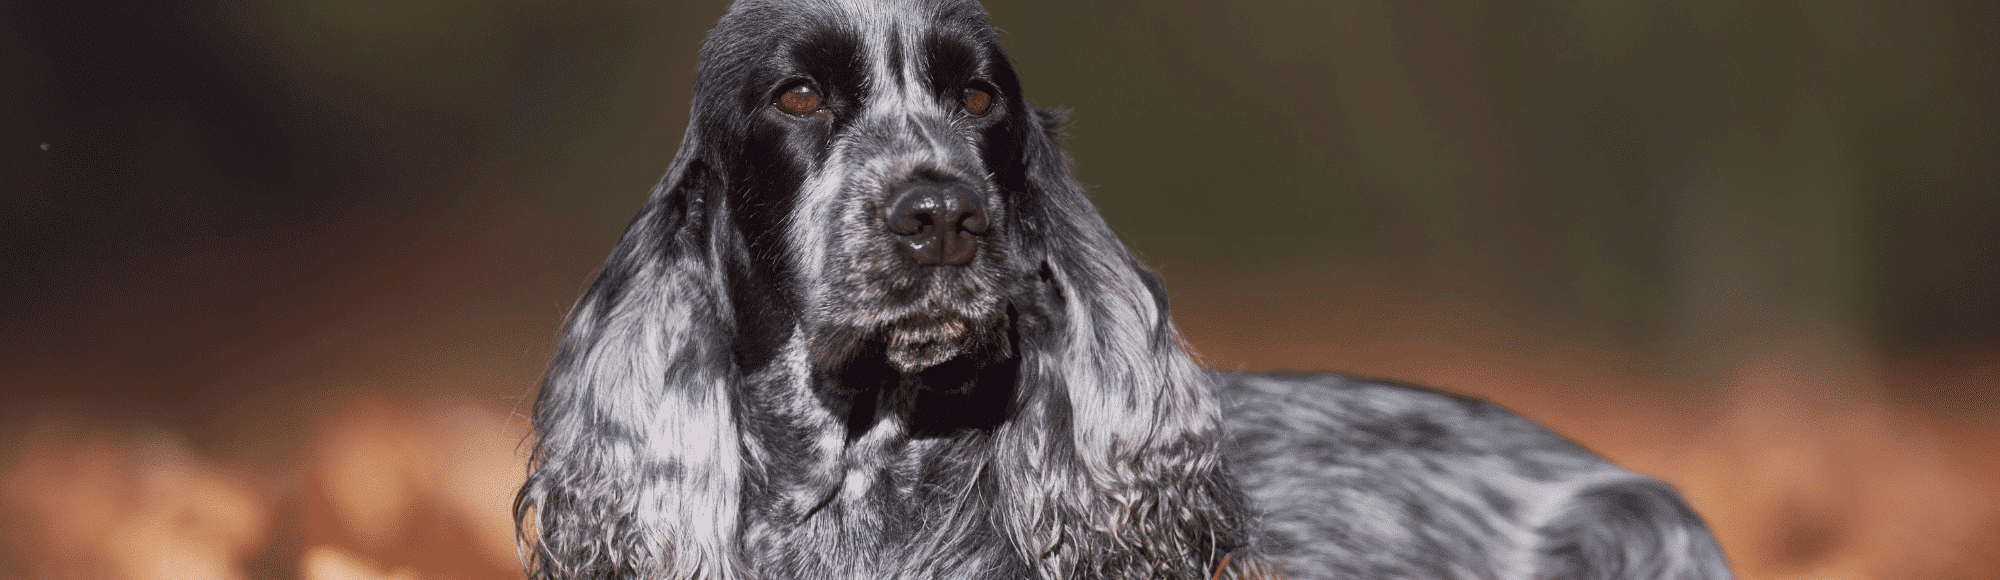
(1367, 479)
(868, 326)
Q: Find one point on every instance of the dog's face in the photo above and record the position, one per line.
(879, 148)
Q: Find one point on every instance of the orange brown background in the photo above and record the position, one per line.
(278, 276)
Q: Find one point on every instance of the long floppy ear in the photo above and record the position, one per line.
(636, 466)
(1115, 454)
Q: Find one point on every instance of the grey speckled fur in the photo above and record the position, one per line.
(1369, 479)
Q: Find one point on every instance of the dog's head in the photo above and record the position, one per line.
(874, 153)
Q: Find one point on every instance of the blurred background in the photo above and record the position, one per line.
(278, 276)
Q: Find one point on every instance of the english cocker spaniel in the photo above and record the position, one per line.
(868, 327)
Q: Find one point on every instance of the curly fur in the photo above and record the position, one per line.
(759, 385)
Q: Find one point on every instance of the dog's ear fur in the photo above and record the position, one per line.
(1114, 461)
(636, 465)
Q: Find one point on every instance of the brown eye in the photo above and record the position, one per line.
(799, 100)
(976, 102)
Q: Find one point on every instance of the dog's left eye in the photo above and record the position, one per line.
(799, 100)
(976, 102)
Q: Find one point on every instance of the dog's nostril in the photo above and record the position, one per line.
(938, 223)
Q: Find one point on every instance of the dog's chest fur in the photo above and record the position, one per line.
(872, 478)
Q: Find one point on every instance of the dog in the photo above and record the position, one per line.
(869, 326)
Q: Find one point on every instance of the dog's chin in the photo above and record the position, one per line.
(914, 319)
(917, 343)
(915, 346)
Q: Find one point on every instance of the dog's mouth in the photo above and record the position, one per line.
(916, 317)
(920, 339)
(925, 342)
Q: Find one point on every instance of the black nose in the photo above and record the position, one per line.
(937, 222)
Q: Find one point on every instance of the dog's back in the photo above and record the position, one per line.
(1366, 479)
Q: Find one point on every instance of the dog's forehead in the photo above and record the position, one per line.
(884, 27)
(898, 10)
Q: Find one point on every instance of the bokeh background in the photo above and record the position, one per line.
(278, 276)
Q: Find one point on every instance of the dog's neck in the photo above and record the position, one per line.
(864, 451)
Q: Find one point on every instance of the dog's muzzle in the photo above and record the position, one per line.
(935, 222)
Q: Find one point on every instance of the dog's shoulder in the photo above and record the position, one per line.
(1367, 478)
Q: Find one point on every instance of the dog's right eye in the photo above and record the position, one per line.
(799, 100)
(976, 102)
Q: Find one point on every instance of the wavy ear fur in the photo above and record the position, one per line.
(1115, 456)
(636, 465)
